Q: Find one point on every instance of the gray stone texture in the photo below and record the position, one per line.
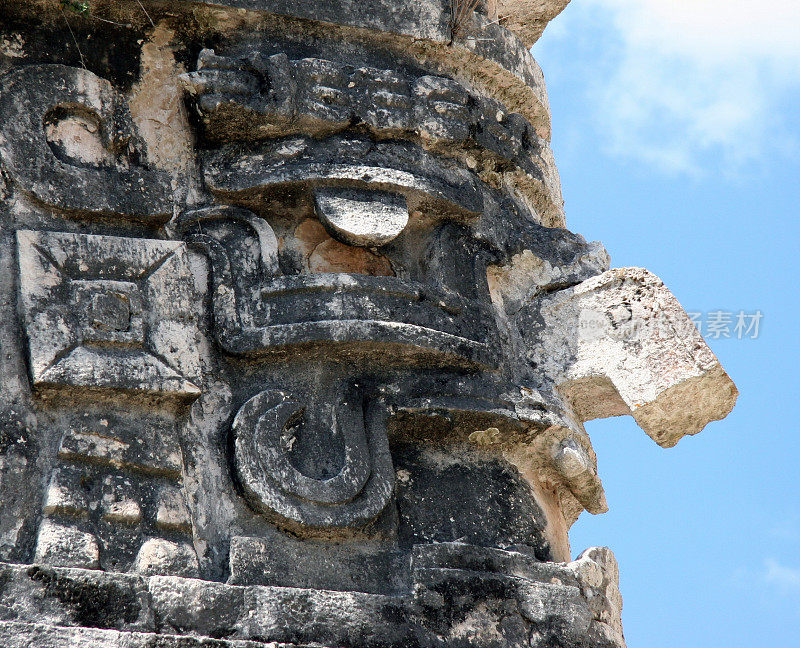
(296, 347)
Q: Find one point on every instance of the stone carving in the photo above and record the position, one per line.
(356, 310)
(366, 219)
(69, 142)
(321, 377)
(115, 500)
(266, 429)
(323, 97)
(276, 97)
(617, 356)
(108, 312)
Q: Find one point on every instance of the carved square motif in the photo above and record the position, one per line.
(106, 311)
(110, 311)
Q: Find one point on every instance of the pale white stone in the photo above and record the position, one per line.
(66, 546)
(366, 219)
(620, 343)
(126, 511)
(78, 137)
(163, 557)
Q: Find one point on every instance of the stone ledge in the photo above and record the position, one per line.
(53, 607)
(486, 55)
(28, 635)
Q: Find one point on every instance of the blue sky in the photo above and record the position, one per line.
(677, 133)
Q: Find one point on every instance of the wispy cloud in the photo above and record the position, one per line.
(787, 530)
(783, 576)
(680, 79)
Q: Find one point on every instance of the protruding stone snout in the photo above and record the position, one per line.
(578, 471)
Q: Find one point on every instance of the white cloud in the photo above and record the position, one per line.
(787, 530)
(679, 79)
(781, 575)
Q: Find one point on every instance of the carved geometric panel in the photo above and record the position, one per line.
(108, 312)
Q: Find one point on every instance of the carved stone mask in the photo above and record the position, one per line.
(301, 348)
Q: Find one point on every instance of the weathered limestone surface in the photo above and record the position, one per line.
(528, 18)
(454, 592)
(295, 347)
(611, 350)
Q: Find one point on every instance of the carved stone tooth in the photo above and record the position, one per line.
(171, 513)
(164, 557)
(126, 511)
(66, 495)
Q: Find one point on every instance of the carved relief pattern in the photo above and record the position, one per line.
(115, 499)
(332, 360)
(264, 431)
(108, 312)
(44, 108)
(281, 97)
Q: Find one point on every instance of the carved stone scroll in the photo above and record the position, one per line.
(68, 141)
(265, 430)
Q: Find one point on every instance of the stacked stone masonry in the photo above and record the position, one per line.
(296, 349)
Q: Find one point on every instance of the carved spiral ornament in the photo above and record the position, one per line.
(273, 485)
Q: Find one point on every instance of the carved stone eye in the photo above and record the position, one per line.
(362, 218)
(74, 135)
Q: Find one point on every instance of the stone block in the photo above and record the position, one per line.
(74, 597)
(620, 343)
(26, 635)
(108, 312)
(349, 566)
(68, 142)
(161, 556)
(281, 614)
(66, 546)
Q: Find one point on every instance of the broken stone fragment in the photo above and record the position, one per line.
(528, 18)
(620, 343)
(66, 546)
(579, 472)
(527, 275)
(597, 572)
(164, 557)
